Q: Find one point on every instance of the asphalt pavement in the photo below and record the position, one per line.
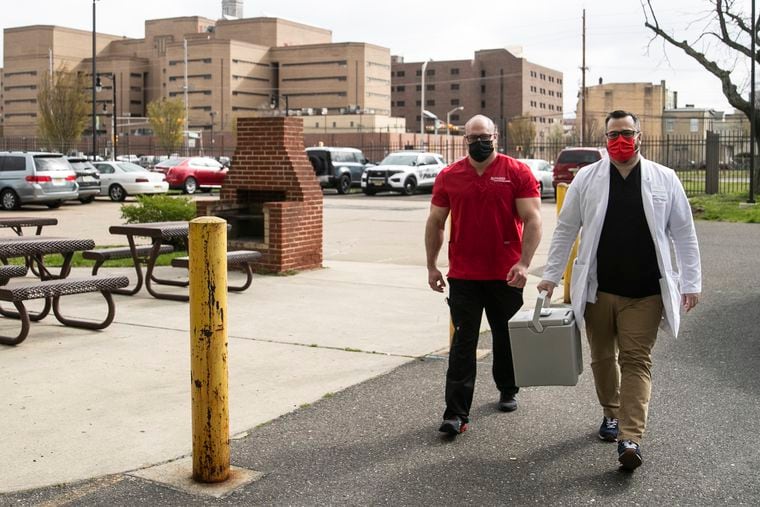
(376, 442)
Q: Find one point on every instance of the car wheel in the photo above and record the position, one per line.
(369, 191)
(190, 186)
(117, 193)
(540, 190)
(410, 186)
(54, 204)
(344, 184)
(9, 200)
(87, 200)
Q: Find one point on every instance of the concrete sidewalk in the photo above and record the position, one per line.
(81, 404)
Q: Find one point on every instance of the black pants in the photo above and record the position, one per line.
(467, 300)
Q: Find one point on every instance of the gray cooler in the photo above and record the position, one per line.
(546, 346)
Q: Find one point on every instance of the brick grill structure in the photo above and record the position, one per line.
(271, 197)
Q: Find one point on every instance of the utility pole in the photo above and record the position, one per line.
(187, 116)
(583, 84)
(422, 104)
(94, 96)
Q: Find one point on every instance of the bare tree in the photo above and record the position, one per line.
(167, 118)
(62, 102)
(728, 30)
(522, 134)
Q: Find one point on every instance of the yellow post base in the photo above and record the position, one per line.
(208, 349)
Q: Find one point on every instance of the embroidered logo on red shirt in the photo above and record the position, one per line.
(500, 179)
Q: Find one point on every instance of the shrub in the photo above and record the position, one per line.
(158, 208)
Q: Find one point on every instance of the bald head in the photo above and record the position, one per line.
(480, 124)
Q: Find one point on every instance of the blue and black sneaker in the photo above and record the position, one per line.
(608, 431)
(629, 455)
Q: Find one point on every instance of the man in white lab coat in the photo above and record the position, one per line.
(632, 215)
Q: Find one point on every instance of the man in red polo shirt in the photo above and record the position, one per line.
(495, 208)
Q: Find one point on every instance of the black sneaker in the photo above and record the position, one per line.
(629, 455)
(507, 402)
(608, 431)
(453, 426)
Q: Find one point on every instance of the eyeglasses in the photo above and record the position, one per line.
(480, 137)
(614, 134)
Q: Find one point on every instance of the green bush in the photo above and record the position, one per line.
(158, 208)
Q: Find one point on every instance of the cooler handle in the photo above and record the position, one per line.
(542, 308)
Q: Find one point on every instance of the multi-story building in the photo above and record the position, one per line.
(224, 68)
(496, 82)
(646, 100)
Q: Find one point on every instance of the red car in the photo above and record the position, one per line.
(570, 160)
(192, 173)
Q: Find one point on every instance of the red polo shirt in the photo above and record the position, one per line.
(485, 240)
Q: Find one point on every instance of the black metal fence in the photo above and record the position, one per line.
(716, 163)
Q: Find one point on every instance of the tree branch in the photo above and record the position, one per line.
(726, 39)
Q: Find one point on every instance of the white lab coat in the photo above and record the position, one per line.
(669, 217)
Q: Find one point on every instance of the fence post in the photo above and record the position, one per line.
(208, 348)
(712, 149)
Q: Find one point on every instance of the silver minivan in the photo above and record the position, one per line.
(35, 178)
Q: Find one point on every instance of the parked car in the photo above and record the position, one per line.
(570, 160)
(542, 170)
(339, 168)
(120, 179)
(88, 179)
(35, 178)
(403, 171)
(192, 173)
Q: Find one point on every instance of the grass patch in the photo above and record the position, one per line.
(55, 260)
(725, 208)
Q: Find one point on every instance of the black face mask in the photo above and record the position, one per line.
(480, 150)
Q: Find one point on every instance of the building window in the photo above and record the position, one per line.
(454, 86)
(482, 88)
(401, 103)
(454, 102)
(669, 124)
(419, 72)
(400, 73)
(419, 87)
(401, 88)
(694, 125)
(454, 72)
(430, 88)
(482, 104)
(454, 117)
(430, 102)
(418, 103)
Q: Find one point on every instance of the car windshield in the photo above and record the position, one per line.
(533, 164)
(171, 162)
(129, 167)
(399, 159)
(578, 156)
(45, 163)
(81, 165)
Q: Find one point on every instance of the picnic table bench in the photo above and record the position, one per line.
(16, 224)
(53, 290)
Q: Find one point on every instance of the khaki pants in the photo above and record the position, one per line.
(621, 333)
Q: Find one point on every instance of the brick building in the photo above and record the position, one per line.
(235, 67)
(496, 82)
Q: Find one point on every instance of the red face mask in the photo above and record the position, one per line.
(622, 149)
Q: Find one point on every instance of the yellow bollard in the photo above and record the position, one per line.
(561, 191)
(208, 349)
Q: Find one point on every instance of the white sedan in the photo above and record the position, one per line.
(120, 179)
(542, 170)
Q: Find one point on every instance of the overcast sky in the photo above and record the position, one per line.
(549, 31)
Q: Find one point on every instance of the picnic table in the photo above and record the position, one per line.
(159, 233)
(16, 224)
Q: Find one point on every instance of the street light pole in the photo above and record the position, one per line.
(212, 114)
(448, 130)
(114, 109)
